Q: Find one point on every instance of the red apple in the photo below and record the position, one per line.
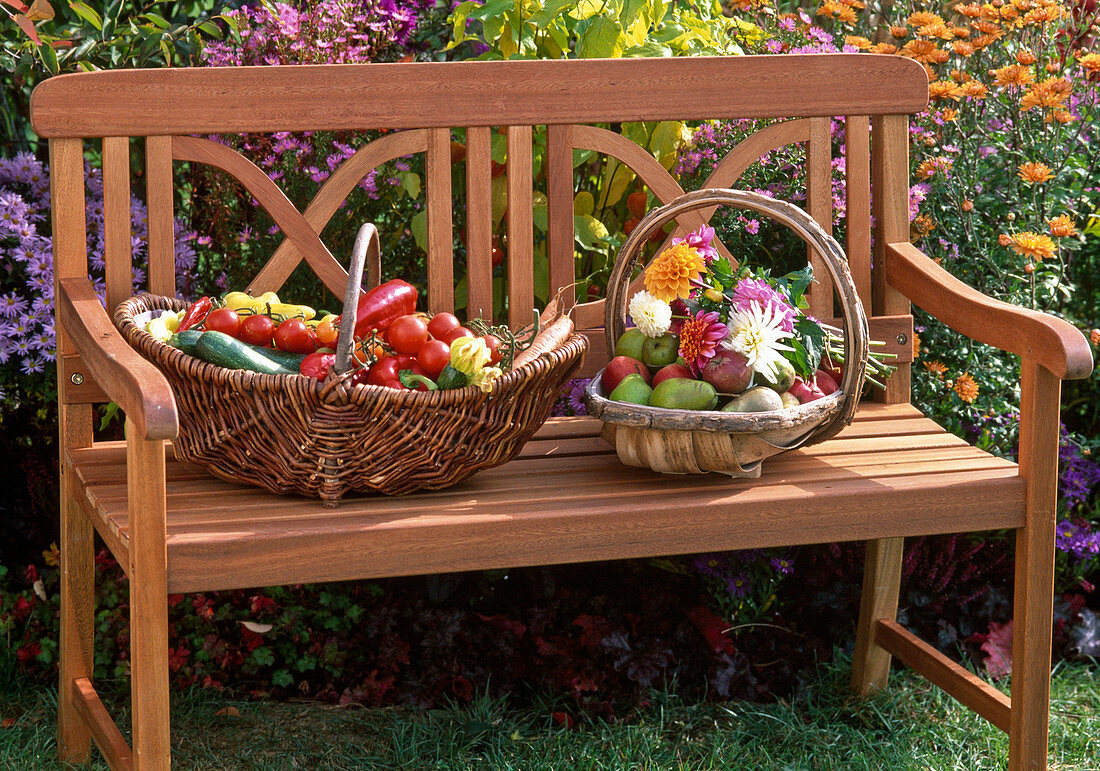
(826, 383)
(805, 392)
(618, 368)
(672, 370)
(729, 372)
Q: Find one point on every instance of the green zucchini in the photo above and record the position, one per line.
(225, 351)
(286, 358)
(185, 340)
(450, 378)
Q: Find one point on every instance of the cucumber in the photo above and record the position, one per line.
(225, 351)
(185, 340)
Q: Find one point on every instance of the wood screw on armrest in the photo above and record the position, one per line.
(77, 379)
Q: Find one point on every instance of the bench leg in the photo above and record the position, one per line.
(881, 582)
(75, 658)
(148, 602)
(1034, 592)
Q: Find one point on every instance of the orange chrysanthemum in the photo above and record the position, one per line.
(975, 89)
(1043, 15)
(937, 368)
(923, 19)
(1034, 173)
(941, 31)
(1004, 239)
(1062, 226)
(924, 224)
(924, 51)
(1051, 93)
(899, 31)
(861, 43)
(916, 346)
(966, 388)
(1025, 57)
(971, 10)
(962, 48)
(982, 41)
(1061, 116)
(931, 166)
(960, 32)
(943, 89)
(670, 275)
(951, 116)
(1037, 246)
(1012, 75)
(1091, 62)
(884, 48)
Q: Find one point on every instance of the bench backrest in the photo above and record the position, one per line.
(873, 93)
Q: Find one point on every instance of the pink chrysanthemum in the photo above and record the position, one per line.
(699, 338)
(700, 240)
(750, 290)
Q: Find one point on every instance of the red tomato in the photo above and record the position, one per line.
(442, 323)
(257, 330)
(456, 333)
(384, 370)
(492, 342)
(293, 335)
(223, 320)
(407, 333)
(433, 356)
(317, 365)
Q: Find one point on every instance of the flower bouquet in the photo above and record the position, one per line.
(723, 365)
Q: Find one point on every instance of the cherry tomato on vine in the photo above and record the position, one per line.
(223, 320)
(328, 331)
(456, 333)
(257, 330)
(293, 335)
(407, 333)
(442, 323)
(492, 342)
(433, 356)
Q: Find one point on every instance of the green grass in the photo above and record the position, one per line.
(910, 726)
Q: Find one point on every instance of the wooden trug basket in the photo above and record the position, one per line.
(697, 442)
(294, 434)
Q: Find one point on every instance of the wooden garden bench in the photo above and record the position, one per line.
(892, 473)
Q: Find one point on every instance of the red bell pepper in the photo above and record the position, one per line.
(195, 314)
(379, 307)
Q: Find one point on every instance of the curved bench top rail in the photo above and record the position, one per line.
(444, 94)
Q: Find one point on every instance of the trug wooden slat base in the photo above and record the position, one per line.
(559, 501)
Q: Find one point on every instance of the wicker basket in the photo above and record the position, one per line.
(695, 442)
(293, 434)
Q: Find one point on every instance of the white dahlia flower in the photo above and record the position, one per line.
(756, 332)
(651, 316)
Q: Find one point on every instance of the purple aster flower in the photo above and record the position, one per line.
(752, 227)
(575, 399)
(11, 305)
(739, 585)
(784, 566)
(917, 194)
(713, 565)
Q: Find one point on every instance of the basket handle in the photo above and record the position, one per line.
(366, 244)
(856, 333)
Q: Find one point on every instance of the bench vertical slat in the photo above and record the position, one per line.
(890, 170)
(479, 223)
(75, 659)
(521, 229)
(857, 208)
(441, 285)
(116, 220)
(559, 209)
(158, 198)
(819, 204)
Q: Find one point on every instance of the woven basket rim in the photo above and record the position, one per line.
(810, 414)
(203, 370)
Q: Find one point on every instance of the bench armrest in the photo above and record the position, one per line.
(1040, 337)
(139, 388)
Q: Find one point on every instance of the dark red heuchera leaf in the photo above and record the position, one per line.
(564, 719)
(502, 623)
(712, 627)
(998, 649)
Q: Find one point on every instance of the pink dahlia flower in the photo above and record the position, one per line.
(699, 338)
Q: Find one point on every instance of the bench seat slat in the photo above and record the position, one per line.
(567, 498)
